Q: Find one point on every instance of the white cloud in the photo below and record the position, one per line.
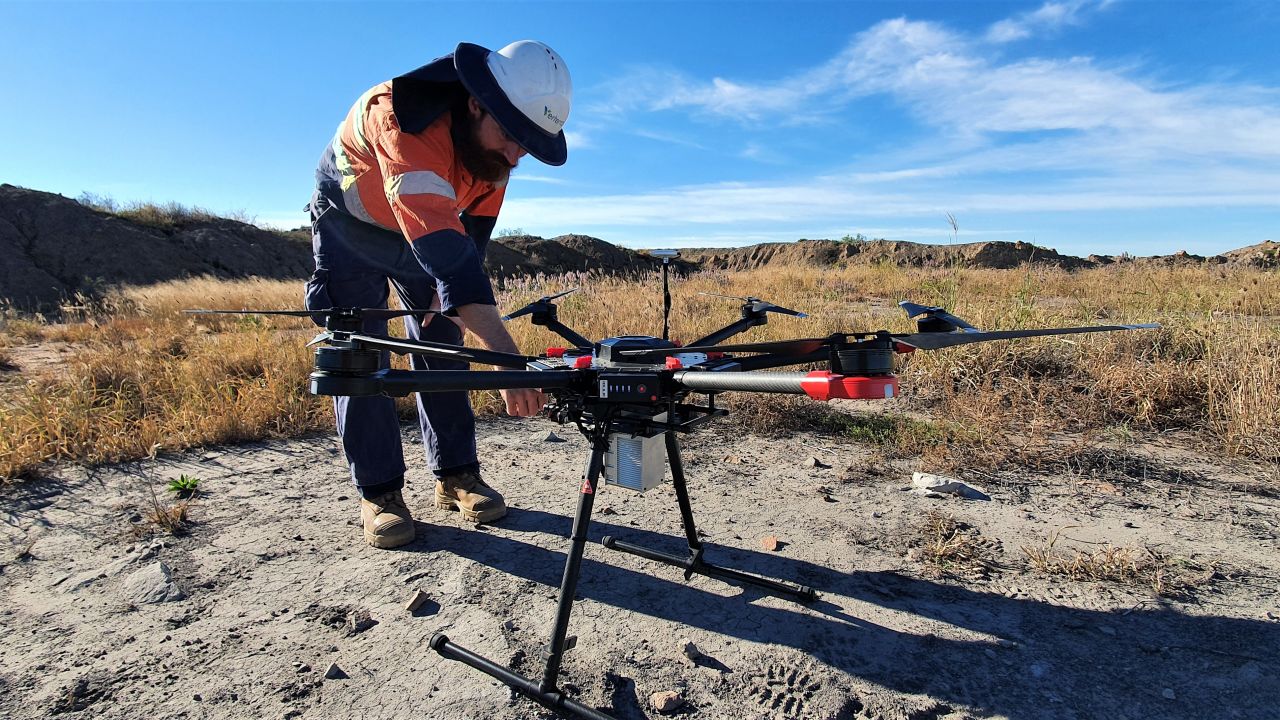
(578, 140)
(520, 177)
(763, 152)
(668, 138)
(1049, 16)
(282, 220)
(1000, 135)
(947, 81)
(813, 202)
(1030, 114)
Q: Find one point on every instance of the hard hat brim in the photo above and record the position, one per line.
(473, 70)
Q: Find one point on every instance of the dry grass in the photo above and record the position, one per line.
(158, 215)
(946, 546)
(6, 362)
(1137, 566)
(172, 518)
(140, 380)
(143, 374)
(18, 330)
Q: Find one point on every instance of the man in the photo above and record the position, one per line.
(409, 192)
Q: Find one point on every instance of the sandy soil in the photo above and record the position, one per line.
(272, 585)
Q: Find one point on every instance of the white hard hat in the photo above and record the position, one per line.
(526, 87)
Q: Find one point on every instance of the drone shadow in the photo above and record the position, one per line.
(1024, 658)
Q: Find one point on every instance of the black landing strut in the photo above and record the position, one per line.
(545, 690)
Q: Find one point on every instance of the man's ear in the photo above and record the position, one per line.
(474, 107)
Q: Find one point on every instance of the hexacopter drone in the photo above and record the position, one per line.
(629, 396)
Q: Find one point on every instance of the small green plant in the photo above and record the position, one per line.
(855, 239)
(250, 323)
(185, 486)
(893, 430)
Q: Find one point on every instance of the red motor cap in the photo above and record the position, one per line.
(582, 362)
(714, 355)
(824, 386)
(555, 352)
(674, 363)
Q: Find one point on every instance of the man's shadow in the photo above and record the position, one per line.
(1023, 658)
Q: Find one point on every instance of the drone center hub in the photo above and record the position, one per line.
(609, 351)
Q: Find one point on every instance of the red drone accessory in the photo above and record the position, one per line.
(824, 386)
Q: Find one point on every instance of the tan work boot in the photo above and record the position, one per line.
(387, 522)
(467, 493)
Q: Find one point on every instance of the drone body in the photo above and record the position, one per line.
(630, 396)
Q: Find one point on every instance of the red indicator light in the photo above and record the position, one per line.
(641, 388)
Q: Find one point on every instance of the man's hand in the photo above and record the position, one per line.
(483, 320)
(523, 402)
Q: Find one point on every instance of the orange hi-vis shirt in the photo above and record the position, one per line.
(414, 184)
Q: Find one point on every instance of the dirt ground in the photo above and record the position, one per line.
(272, 584)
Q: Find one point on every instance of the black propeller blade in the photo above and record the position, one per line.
(935, 319)
(920, 341)
(760, 306)
(371, 313)
(936, 340)
(446, 351)
(542, 304)
(799, 346)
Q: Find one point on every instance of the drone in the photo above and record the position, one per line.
(631, 396)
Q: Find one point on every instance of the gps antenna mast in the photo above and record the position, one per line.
(666, 256)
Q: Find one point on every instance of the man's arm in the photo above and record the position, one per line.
(483, 320)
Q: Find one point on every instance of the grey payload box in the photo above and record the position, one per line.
(635, 463)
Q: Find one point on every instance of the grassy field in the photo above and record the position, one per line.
(136, 375)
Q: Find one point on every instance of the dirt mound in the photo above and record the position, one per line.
(52, 248)
(1265, 254)
(991, 255)
(998, 255)
(531, 255)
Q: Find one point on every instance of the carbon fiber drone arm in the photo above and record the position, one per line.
(432, 349)
(817, 384)
(399, 383)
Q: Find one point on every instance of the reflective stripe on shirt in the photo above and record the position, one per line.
(418, 182)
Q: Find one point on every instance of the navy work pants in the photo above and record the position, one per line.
(354, 262)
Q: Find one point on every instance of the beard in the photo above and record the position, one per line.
(483, 164)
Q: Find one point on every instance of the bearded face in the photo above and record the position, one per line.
(482, 145)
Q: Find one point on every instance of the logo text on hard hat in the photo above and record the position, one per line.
(554, 118)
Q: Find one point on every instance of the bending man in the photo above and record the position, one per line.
(408, 192)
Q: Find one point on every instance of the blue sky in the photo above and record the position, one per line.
(1090, 126)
